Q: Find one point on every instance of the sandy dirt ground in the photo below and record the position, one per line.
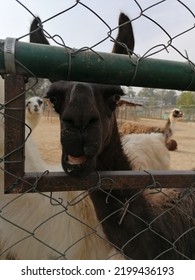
(47, 135)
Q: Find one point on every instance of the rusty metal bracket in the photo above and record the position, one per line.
(9, 55)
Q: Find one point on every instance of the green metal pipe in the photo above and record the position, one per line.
(55, 62)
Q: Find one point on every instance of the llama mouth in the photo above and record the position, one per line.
(78, 167)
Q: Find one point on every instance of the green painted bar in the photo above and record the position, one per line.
(56, 63)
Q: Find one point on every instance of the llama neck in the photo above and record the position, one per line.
(171, 123)
(110, 204)
(32, 120)
(113, 157)
(169, 128)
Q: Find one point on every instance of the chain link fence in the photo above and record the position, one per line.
(41, 214)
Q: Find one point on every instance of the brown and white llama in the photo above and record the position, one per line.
(129, 127)
(91, 142)
(136, 128)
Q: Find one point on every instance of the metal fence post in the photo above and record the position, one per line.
(14, 128)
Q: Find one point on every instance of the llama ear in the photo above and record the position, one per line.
(125, 42)
(36, 32)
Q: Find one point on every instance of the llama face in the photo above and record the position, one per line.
(177, 113)
(86, 114)
(34, 105)
(86, 110)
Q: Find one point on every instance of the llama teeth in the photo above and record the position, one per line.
(68, 170)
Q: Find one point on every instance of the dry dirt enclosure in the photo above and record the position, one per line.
(47, 135)
(184, 157)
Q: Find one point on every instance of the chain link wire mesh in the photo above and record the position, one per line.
(63, 225)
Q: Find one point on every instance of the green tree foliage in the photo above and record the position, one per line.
(186, 98)
(158, 96)
(146, 93)
(168, 97)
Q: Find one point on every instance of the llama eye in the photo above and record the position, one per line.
(53, 99)
(116, 97)
(112, 101)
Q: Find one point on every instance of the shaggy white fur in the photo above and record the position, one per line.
(149, 152)
(45, 226)
(48, 226)
(146, 151)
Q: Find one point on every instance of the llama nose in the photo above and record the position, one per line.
(35, 108)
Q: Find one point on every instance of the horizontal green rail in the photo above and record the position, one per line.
(57, 63)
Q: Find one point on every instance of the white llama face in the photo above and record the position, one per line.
(34, 105)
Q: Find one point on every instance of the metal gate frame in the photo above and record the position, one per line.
(19, 61)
